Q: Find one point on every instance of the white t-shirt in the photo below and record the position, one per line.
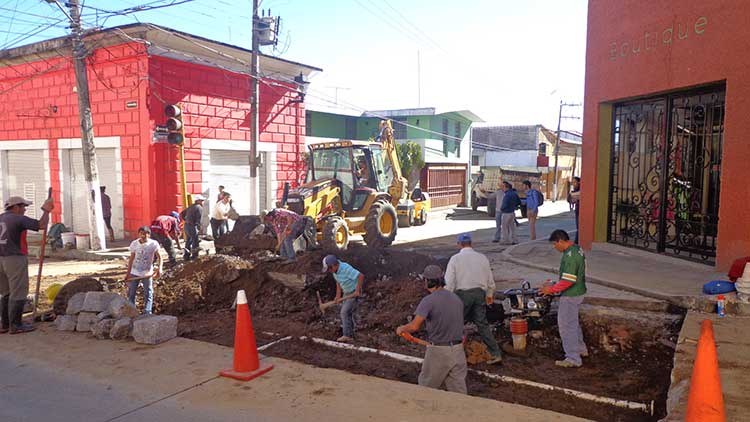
(220, 210)
(143, 263)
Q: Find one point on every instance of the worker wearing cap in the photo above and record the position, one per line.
(572, 287)
(469, 276)
(14, 264)
(287, 226)
(220, 215)
(192, 216)
(349, 283)
(164, 229)
(444, 361)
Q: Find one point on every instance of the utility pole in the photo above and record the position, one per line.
(560, 117)
(254, 115)
(96, 222)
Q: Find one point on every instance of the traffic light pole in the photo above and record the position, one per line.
(254, 114)
(91, 172)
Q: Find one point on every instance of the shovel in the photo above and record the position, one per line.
(411, 339)
(325, 305)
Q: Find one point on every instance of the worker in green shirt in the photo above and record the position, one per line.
(572, 287)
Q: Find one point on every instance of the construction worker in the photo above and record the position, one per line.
(349, 283)
(14, 263)
(107, 212)
(508, 214)
(444, 361)
(164, 229)
(572, 286)
(469, 276)
(143, 252)
(192, 216)
(220, 215)
(287, 226)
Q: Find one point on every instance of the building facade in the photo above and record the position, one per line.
(443, 137)
(665, 124)
(133, 72)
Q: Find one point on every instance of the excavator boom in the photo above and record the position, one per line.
(397, 189)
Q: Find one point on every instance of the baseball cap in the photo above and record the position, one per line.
(197, 198)
(16, 200)
(175, 215)
(464, 237)
(432, 272)
(328, 261)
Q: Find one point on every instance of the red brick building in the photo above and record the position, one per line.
(133, 72)
(666, 153)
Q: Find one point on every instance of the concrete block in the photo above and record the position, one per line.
(97, 301)
(102, 329)
(75, 303)
(103, 315)
(85, 321)
(120, 307)
(121, 329)
(155, 329)
(66, 322)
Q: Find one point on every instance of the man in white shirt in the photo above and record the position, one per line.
(220, 214)
(143, 252)
(469, 276)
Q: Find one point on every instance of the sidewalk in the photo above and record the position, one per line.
(671, 279)
(70, 376)
(732, 336)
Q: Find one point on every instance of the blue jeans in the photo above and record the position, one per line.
(347, 316)
(148, 293)
(498, 224)
(192, 241)
(287, 248)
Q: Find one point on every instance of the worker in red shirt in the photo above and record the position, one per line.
(164, 229)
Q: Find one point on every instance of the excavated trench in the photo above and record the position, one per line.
(631, 351)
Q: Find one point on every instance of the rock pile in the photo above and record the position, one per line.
(109, 315)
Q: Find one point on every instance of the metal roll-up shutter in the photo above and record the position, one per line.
(231, 169)
(106, 160)
(26, 178)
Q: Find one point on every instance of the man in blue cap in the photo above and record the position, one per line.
(164, 229)
(469, 276)
(349, 283)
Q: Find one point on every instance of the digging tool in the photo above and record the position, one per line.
(326, 305)
(41, 263)
(410, 338)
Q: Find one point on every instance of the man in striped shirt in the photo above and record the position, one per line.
(572, 287)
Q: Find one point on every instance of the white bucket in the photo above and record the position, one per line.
(68, 237)
(82, 242)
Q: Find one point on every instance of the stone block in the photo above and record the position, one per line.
(85, 321)
(155, 329)
(66, 322)
(75, 303)
(97, 301)
(103, 315)
(121, 329)
(120, 307)
(101, 330)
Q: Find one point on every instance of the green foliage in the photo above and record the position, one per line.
(411, 160)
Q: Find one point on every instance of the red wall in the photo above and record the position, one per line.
(642, 47)
(216, 106)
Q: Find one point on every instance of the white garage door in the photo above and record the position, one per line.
(25, 177)
(106, 163)
(232, 170)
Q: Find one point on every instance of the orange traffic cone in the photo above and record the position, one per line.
(705, 401)
(247, 365)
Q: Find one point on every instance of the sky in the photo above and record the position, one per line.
(510, 62)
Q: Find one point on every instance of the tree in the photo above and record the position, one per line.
(411, 160)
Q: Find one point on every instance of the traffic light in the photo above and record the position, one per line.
(176, 134)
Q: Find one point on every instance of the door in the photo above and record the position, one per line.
(25, 178)
(666, 166)
(106, 160)
(231, 169)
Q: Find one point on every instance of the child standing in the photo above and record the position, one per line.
(143, 252)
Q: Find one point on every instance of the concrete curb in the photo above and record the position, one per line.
(682, 301)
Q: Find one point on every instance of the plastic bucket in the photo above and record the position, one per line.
(68, 237)
(82, 242)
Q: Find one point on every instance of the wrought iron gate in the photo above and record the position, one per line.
(666, 163)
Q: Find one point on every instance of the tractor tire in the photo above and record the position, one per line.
(474, 201)
(381, 225)
(406, 220)
(335, 235)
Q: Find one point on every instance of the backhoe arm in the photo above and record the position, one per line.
(397, 189)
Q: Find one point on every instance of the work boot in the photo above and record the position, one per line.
(17, 326)
(566, 363)
(495, 360)
(4, 314)
(345, 339)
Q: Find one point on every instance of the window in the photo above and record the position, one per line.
(399, 129)
(351, 128)
(308, 124)
(445, 129)
(474, 160)
(458, 130)
(542, 149)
